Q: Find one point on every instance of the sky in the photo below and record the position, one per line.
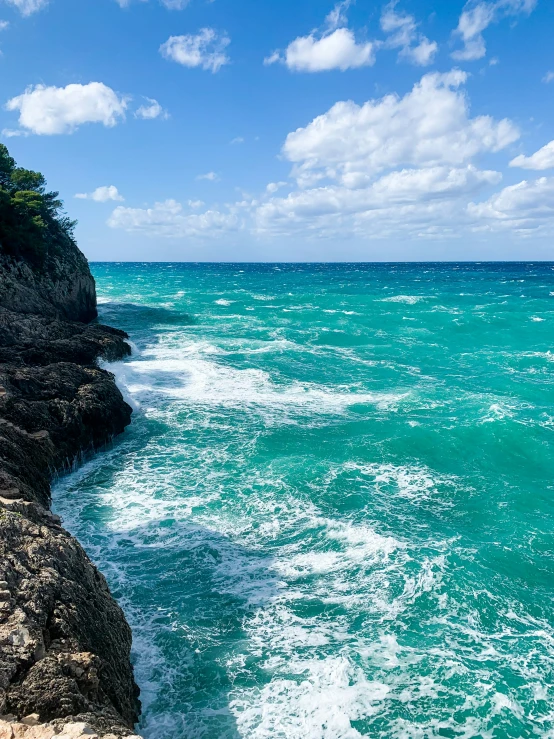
(298, 130)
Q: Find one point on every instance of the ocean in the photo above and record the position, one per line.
(333, 514)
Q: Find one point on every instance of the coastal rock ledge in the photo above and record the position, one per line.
(65, 645)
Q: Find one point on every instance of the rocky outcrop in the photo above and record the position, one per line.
(63, 287)
(64, 643)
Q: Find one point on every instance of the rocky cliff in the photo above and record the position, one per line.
(64, 643)
(61, 288)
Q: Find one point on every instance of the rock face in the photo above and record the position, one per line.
(62, 288)
(64, 642)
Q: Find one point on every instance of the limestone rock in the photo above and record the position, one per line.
(65, 645)
(31, 728)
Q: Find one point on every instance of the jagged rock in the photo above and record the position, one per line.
(62, 288)
(64, 642)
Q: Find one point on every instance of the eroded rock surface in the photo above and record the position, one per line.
(31, 728)
(63, 287)
(64, 643)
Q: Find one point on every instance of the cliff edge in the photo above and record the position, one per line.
(65, 645)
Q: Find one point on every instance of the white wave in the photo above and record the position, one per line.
(344, 312)
(408, 299)
(223, 301)
(187, 374)
(404, 481)
(310, 700)
(326, 599)
(498, 412)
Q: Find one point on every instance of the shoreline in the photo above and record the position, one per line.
(65, 667)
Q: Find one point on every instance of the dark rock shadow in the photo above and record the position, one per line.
(128, 316)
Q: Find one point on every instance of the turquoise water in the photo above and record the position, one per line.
(333, 514)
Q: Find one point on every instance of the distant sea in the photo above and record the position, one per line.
(333, 514)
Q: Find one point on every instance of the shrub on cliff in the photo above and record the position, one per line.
(32, 223)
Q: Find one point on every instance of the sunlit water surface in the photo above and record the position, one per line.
(333, 514)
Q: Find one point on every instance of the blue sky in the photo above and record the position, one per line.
(292, 130)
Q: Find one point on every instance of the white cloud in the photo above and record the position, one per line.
(333, 48)
(405, 189)
(169, 4)
(541, 159)
(273, 58)
(274, 186)
(150, 111)
(430, 126)
(391, 168)
(205, 49)
(477, 16)
(168, 219)
(337, 17)
(28, 7)
(548, 77)
(238, 140)
(175, 4)
(101, 194)
(524, 207)
(423, 54)
(56, 110)
(403, 34)
(4, 25)
(211, 176)
(394, 168)
(11, 133)
(337, 50)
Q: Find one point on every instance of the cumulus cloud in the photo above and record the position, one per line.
(400, 187)
(477, 16)
(430, 126)
(548, 78)
(101, 194)
(28, 7)
(151, 110)
(335, 47)
(524, 207)
(56, 110)
(337, 50)
(434, 190)
(170, 220)
(541, 159)
(403, 34)
(390, 168)
(206, 50)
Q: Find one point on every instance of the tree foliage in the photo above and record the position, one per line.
(32, 223)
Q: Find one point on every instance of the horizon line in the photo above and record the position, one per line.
(329, 262)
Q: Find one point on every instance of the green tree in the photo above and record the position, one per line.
(32, 223)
